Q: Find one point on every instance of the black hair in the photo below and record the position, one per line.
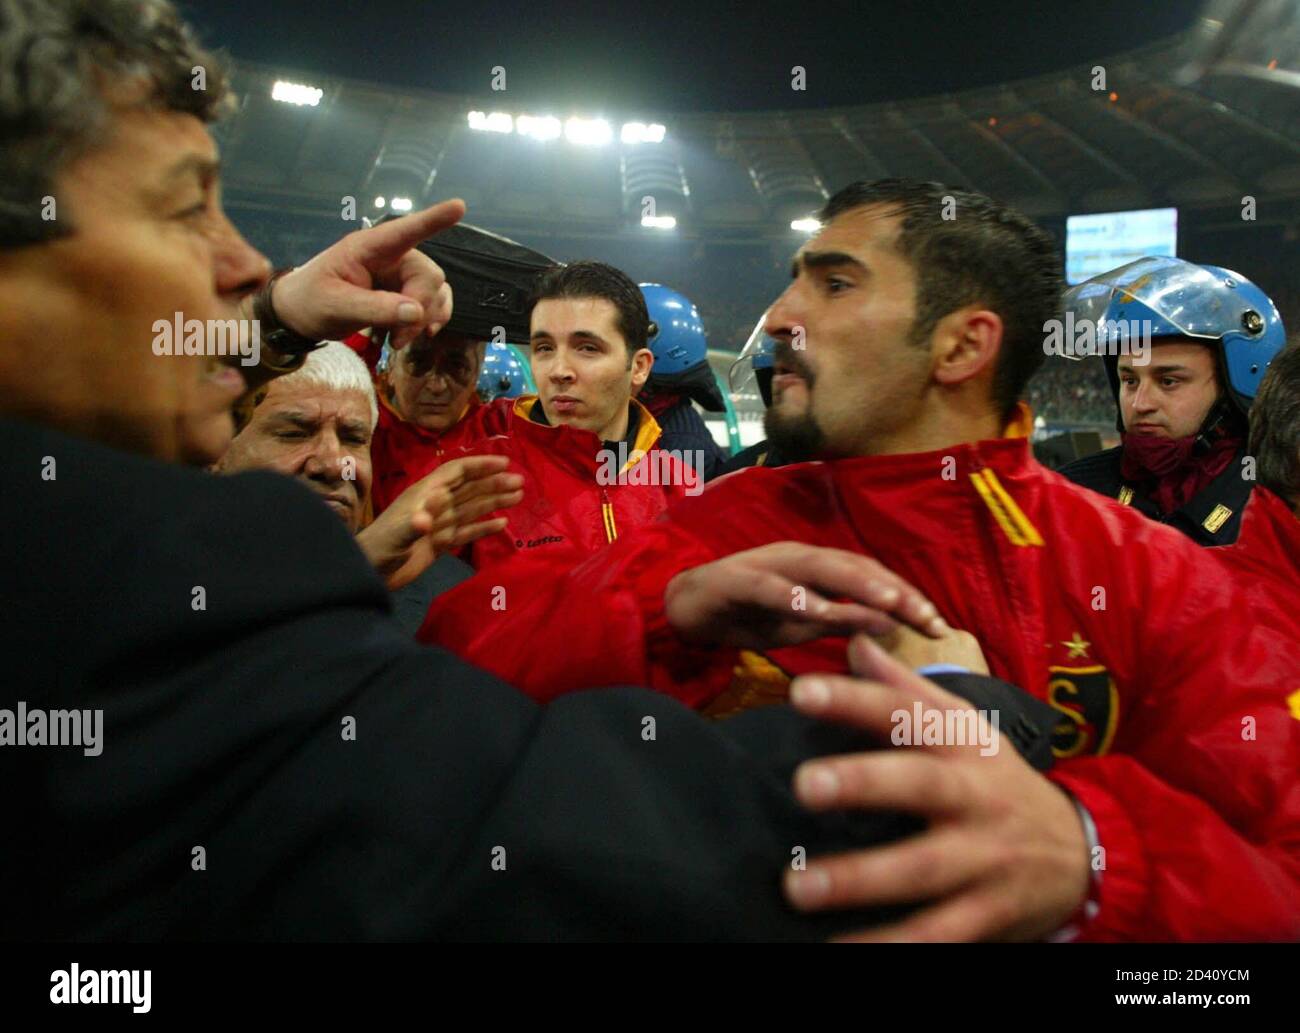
(966, 249)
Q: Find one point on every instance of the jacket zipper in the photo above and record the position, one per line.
(607, 514)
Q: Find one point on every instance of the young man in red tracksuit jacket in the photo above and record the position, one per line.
(902, 346)
(580, 492)
(586, 449)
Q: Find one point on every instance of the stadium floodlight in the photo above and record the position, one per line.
(380, 202)
(808, 225)
(496, 122)
(400, 204)
(658, 222)
(639, 132)
(539, 127)
(591, 132)
(296, 93)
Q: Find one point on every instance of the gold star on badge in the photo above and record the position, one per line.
(1078, 647)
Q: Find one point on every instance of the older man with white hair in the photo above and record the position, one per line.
(316, 424)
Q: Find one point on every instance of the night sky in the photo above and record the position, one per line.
(676, 56)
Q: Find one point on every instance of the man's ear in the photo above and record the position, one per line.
(965, 344)
(642, 361)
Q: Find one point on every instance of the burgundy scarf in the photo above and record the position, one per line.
(658, 402)
(1169, 471)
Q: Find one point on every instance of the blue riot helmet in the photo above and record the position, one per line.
(1177, 298)
(502, 375)
(680, 348)
(753, 367)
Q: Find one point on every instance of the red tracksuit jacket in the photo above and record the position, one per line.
(1180, 710)
(402, 452)
(575, 502)
(1266, 557)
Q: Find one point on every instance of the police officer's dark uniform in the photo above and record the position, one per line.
(1173, 298)
(1212, 517)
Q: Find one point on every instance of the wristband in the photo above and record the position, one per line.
(929, 670)
(283, 341)
(1087, 911)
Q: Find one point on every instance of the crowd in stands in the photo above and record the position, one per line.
(1072, 391)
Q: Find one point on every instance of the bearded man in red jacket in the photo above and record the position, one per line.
(915, 317)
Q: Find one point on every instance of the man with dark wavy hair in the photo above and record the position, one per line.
(110, 216)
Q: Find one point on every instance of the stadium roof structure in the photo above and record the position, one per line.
(1202, 120)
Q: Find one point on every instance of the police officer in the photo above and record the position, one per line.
(1183, 393)
(681, 374)
(762, 453)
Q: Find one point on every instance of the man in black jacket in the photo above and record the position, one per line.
(278, 762)
(271, 758)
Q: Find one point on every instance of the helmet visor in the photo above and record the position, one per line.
(740, 377)
(1187, 299)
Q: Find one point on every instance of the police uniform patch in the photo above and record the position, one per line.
(1088, 702)
(1217, 518)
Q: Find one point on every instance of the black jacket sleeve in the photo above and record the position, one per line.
(411, 602)
(280, 762)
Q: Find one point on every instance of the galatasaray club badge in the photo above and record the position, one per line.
(1088, 704)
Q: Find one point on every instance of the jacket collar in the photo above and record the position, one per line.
(1009, 455)
(582, 446)
(1230, 490)
(917, 490)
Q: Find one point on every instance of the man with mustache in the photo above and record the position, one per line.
(914, 320)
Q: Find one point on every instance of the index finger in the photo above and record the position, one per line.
(390, 240)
